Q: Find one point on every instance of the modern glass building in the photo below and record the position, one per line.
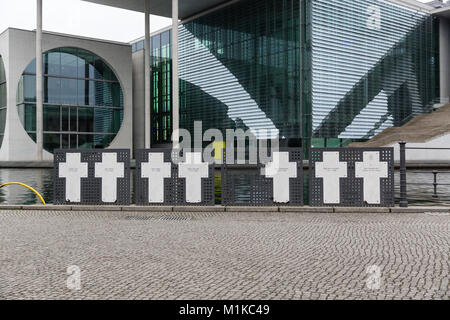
(320, 73)
(317, 72)
(83, 100)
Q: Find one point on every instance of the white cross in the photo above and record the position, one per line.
(193, 170)
(331, 170)
(281, 170)
(371, 170)
(156, 170)
(109, 170)
(73, 170)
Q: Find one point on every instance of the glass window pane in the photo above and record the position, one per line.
(2, 71)
(52, 119)
(52, 62)
(64, 119)
(52, 90)
(69, 91)
(2, 120)
(85, 120)
(27, 115)
(102, 141)
(69, 62)
(73, 119)
(65, 141)
(29, 88)
(73, 141)
(2, 95)
(85, 141)
(103, 119)
(52, 141)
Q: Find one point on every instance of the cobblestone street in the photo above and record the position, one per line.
(136, 255)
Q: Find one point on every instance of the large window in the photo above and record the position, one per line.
(2, 100)
(161, 93)
(83, 100)
(161, 88)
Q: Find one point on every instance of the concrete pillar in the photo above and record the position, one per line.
(39, 76)
(175, 81)
(147, 89)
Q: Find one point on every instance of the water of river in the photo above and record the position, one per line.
(42, 181)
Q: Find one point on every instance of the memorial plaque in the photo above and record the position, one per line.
(352, 177)
(279, 182)
(371, 169)
(155, 179)
(160, 181)
(331, 170)
(92, 177)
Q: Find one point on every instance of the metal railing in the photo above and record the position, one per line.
(403, 170)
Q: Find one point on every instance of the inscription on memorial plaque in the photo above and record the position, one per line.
(371, 170)
(281, 170)
(72, 170)
(331, 170)
(156, 170)
(109, 170)
(193, 170)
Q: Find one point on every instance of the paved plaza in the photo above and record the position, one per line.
(137, 255)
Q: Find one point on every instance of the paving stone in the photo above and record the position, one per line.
(223, 255)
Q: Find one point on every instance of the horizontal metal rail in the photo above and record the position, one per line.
(403, 181)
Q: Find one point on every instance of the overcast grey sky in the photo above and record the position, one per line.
(80, 18)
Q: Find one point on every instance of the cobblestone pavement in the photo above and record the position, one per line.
(125, 255)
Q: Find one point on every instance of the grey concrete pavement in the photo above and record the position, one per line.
(224, 255)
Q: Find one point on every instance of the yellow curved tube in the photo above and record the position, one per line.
(24, 185)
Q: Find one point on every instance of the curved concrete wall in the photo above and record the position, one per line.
(18, 49)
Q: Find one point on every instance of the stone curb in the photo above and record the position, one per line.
(147, 208)
(252, 209)
(307, 209)
(304, 209)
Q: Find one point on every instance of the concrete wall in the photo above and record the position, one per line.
(19, 46)
(138, 100)
(444, 52)
(442, 156)
(4, 52)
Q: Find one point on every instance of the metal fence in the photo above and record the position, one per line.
(403, 170)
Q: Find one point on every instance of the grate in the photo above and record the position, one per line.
(164, 218)
(139, 218)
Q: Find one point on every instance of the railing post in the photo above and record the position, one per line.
(435, 184)
(403, 192)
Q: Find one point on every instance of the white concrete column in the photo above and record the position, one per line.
(175, 83)
(147, 77)
(39, 76)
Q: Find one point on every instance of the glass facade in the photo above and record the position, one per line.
(161, 92)
(83, 100)
(239, 68)
(317, 72)
(2, 100)
(374, 65)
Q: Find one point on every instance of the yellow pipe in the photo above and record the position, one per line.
(24, 185)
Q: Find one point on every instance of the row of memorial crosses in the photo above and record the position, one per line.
(331, 169)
